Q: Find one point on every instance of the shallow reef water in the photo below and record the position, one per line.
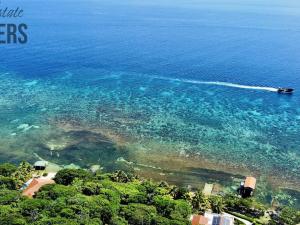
(91, 116)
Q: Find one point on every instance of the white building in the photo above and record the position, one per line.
(219, 219)
(212, 219)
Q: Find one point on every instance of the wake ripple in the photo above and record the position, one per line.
(226, 84)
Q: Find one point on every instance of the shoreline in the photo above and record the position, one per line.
(160, 156)
(223, 182)
(153, 159)
(160, 163)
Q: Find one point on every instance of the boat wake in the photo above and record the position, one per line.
(226, 84)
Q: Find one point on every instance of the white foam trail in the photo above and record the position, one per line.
(226, 84)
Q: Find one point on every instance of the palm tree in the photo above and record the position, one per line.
(216, 204)
(179, 193)
(23, 173)
(120, 176)
(200, 202)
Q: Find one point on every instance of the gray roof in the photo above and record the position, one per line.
(41, 163)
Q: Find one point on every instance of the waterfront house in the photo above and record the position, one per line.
(247, 187)
(40, 165)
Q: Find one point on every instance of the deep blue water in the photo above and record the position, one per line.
(142, 61)
(236, 41)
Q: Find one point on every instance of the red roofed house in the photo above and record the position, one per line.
(247, 187)
(199, 220)
(35, 185)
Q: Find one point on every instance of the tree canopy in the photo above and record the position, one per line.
(81, 197)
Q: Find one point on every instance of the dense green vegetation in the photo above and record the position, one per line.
(12, 177)
(81, 197)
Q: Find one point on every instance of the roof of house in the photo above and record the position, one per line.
(219, 219)
(35, 185)
(226, 220)
(41, 163)
(203, 220)
(199, 220)
(250, 182)
(216, 220)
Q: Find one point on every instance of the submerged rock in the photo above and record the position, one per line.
(95, 168)
(71, 166)
(23, 126)
(15, 121)
(121, 159)
(31, 83)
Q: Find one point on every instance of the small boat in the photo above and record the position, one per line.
(285, 90)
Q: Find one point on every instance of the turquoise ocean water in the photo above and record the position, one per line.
(182, 89)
